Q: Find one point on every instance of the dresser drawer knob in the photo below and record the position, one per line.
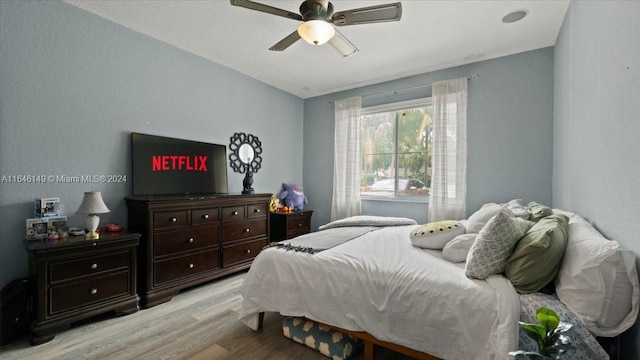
(174, 219)
(299, 225)
(191, 266)
(248, 251)
(246, 230)
(94, 266)
(93, 291)
(256, 210)
(234, 213)
(190, 240)
(205, 216)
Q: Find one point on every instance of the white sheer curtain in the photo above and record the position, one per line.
(346, 168)
(449, 152)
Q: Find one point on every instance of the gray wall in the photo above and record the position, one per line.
(509, 134)
(74, 85)
(596, 171)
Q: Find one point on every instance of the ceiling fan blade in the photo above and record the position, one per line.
(286, 42)
(370, 14)
(266, 8)
(344, 46)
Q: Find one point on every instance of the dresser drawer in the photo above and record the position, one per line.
(88, 291)
(242, 252)
(204, 216)
(231, 213)
(173, 269)
(169, 219)
(257, 210)
(244, 230)
(178, 241)
(64, 270)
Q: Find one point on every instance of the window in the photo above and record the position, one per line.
(396, 150)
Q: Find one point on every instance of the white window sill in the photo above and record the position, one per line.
(396, 199)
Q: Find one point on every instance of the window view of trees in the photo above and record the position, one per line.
(396, 152)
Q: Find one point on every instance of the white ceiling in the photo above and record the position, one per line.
(431, 35)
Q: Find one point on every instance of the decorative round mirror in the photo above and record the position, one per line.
(245, 158)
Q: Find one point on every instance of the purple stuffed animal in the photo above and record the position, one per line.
(293, 196)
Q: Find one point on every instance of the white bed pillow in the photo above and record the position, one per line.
(480, 218)
(457, 249)
(518, 209)
(435, 235)
(494, 244)
(598, 280)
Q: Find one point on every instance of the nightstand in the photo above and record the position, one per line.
(74, 279)
(289, 225)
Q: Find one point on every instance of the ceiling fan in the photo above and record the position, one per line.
(317, 17)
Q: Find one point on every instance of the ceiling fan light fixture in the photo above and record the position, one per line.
(316, 32)
(515, 16)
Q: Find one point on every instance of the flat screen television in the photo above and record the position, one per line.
(168, 166)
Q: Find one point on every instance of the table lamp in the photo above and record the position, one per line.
(92, 204)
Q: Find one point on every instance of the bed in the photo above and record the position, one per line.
(379, 284)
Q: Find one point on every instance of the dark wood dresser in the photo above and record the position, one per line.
(289, 225)
(74, 279)
(190, 240)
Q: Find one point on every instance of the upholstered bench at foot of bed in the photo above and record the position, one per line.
(327, 341)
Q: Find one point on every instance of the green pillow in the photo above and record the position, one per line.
(537, 257)
(538, 211)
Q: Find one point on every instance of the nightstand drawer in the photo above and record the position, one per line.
(60, 271)
(257, 210)
(169, 219)
(231, 213)
(85, 292)
(169, 270)
(298, 223)
(242, 252)
(289, 225)
(204, 216)
(244, 230)
(178, 241)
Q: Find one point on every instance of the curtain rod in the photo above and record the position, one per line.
(394, 92)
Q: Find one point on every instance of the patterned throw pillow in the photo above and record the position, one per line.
(435, 235)
(494, 244)
(327, 341)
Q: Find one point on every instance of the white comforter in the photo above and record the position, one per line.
(381, 284)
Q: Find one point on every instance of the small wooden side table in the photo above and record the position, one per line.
(74, 279)
(285, 226)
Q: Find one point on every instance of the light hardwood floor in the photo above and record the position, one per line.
(198, 324)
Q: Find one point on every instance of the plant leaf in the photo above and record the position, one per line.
(563, 327)
(548, 318)
(529, 354)
(536, 332)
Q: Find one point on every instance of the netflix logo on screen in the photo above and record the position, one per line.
(165, 166)
(179, 162)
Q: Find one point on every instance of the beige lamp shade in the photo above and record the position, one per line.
(316, 32)
(92, 203)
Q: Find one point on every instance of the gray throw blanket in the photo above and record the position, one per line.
(326, 239)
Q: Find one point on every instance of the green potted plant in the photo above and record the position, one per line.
(548, 334)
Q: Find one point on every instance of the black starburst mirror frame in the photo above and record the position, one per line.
(249, 166)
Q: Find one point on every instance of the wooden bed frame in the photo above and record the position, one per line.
(370, 341)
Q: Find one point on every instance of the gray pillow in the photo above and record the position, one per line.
(538, 211)
(537, 257)
(494, 244)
